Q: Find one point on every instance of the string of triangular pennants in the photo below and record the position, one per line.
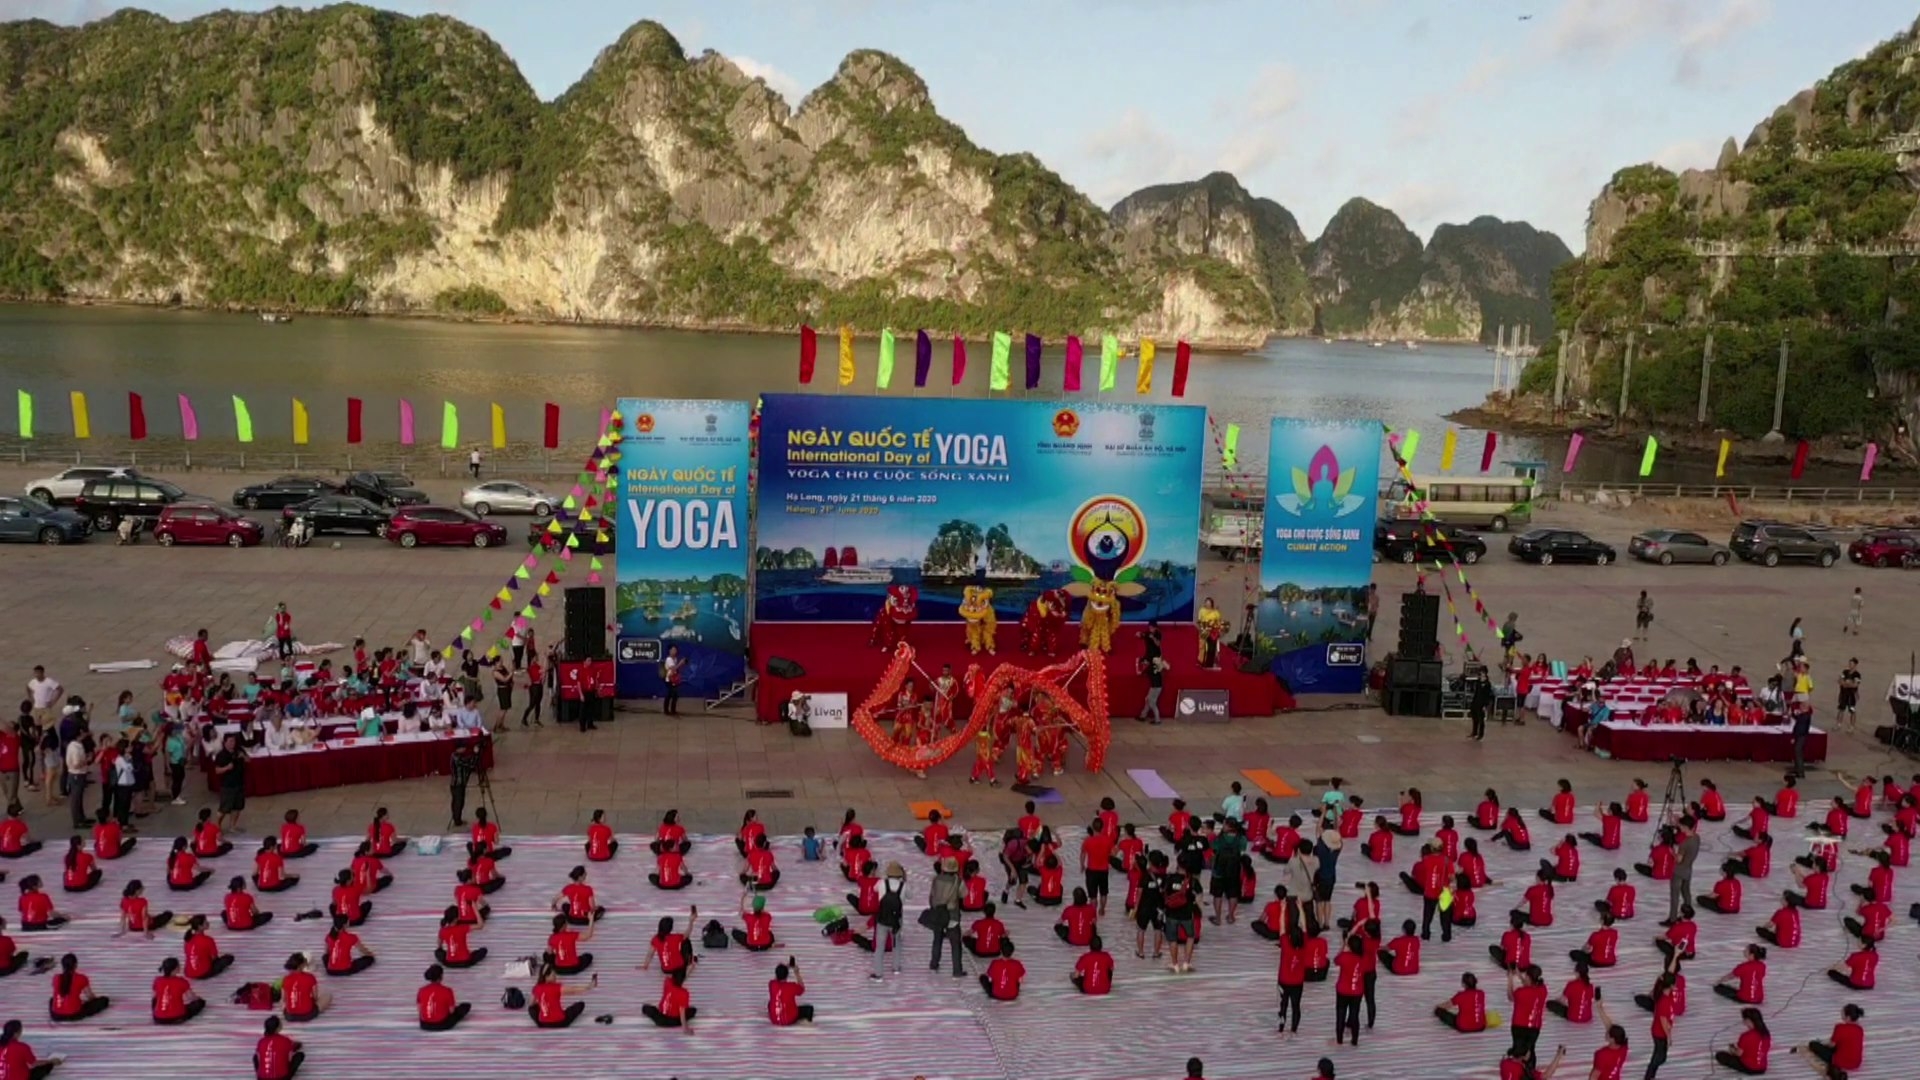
(589, 503)
(1000, 361)
(1403, 450)
(1649, 454)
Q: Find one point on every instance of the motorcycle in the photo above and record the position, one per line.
(300, 532)
(129, 530)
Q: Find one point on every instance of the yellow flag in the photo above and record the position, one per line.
(846, 356)
(499, 427)
(1144, 384)
(1447, 446)
(81, 428)
(1720, 469)
(299, 422)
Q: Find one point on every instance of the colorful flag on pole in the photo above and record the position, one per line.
(552, 440)
(189, 423)
(1109, 361)
(1144, 383)
(136, 417)
(449, 426)
(1182, 363)
(1486, 452)
(406, 422)
(809, 352)
(959, 359)
(1075, 356)
(1033, 362)
(1409, 446)
(82, 429)
(499, 427)
(1448, 444)
(1866, 463)
(998, 375)
(1230, 448)
(24, 401)
(1647, 456)
(242, 420)
(846, 356)
(883, 374)
(299, 422)
(354, 409)
(1573, 451)
(1800, 459)
(922, 357)
(1720, 466)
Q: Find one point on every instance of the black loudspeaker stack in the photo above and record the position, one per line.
(587, 624)
(1415, 680)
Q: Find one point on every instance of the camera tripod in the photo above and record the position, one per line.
(1676, 793)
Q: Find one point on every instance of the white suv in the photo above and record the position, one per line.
(64, 487)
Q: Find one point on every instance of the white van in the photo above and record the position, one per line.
(1232, 526)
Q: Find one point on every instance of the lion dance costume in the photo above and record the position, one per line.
(1040, 629)
(1101, 619)
(895, 617)
(976, 606)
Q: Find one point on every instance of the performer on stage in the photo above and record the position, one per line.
(1212, 626)
(1026, 756)
(906, 717)
(944, 689)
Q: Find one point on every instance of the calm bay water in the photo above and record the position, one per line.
(106, 352)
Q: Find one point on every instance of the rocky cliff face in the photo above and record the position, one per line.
(1215, 218)
(350, 159)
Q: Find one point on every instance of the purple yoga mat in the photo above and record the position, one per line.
(1151, 785)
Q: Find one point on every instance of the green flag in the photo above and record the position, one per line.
(26, 413)
(1110, 362)
(242, 420)
(1230, 449)
(1002, 349)
(883, 375)
(449, 426)
(1410, 446)
(1646, 458)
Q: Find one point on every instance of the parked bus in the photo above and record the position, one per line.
(1495, 503)
(1232, 526)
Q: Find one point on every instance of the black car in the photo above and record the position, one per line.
(1549, 546)
(541, 535)
(27, 518)
(1422, 541)
(341, 513)
(105, 502)
(1772, 542)
(385, 489)
(283, 492)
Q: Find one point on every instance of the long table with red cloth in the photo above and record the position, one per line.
(1700, 742)
(341, 762)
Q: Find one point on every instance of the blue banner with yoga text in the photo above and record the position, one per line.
(1317, 557)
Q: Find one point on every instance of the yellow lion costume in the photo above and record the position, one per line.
(1101, 619)
(976, 606)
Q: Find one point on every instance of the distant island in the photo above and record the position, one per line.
(351, 160)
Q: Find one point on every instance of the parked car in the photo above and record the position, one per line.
(1549, 546)
(1669, 546)
(39, 522)
(1885, 547)
(541, 536)
(1425, 541)
(65, 486)
(285, 491)
(193, 523)
(105, 502)
(385, 489)
(341, 513)
(508, 497)
(1771, 542)
(413, 526)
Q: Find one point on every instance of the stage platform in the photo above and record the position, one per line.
(838, 660)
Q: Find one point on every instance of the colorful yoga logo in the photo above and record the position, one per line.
(1108, 534)
(1321, 488)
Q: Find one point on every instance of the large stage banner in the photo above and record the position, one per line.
(683, 542)
(1322, 489)
(861, 494)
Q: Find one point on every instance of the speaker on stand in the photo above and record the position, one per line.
(1415, 679)
(587, 623)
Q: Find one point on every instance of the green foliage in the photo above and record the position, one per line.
(1635, 181)
(470, 300)
(262, 277)
(450, 96)
(25, 273)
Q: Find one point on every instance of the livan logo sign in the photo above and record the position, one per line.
(1203, 706)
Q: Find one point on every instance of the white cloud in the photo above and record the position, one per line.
(1134, 152)
(1688, 154)
(1598, 29)
(778, 81)
(1705, 36)
(1423, 205)
(1274, 93)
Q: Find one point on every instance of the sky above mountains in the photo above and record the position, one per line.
(1438, 111)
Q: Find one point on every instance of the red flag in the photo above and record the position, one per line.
(1486, 454)
(353, 421)
(959, 360)
(1182, 361)
(809, 351)
(1800, 459)
(136, 416)
(1732, 503)
(553, 426)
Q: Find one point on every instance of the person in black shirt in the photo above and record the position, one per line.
(465, 761)
(230, 765)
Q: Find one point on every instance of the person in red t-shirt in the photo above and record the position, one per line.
(1002, 980)
(110, 840)
(204, 958)
(239, 911)
(1465, 1011)
(346, 954)
(293, 838)
(1096, 861)
(78, 872)
(439, 1011)
(1349, 989)
(1093, 971)
(755, 934)
(563, 947)
(174, 1001)
(1077, 920)
(36, 907)
(601, 846)
(984, 937)
(73, 997)
(183, 870)
(761, 873)
(1846, 1050)
(301, 998)
(783, 996)
(453, 950)
(675, 1009)
(1748, 1055)
(576, 900)
(269, 868)
(1575, 1003)
(1747, 982)
(1402, 954)
(1856, 972)
(383, 837)
(275, 1056)
(486, 833)
(1527, 989)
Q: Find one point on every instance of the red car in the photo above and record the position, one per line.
(413, 526)
(1885, 547)
(195, 524)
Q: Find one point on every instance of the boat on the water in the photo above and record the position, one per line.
(858, 575)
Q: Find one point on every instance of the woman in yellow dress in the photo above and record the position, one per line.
(1212, 626)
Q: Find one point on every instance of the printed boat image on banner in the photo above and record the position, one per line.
(857, 495)
(682, 547)
(1318, 555)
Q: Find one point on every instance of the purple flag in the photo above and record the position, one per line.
(1074, 354)
(1033, 361)
(922, 357)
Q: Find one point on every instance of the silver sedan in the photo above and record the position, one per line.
(507, 497)
(1669, 546)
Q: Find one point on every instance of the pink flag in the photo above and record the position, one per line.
(406, 422)
(959, 360)
(1573, 451)
(189, 423)
(606, 420)
(1866, 464)
(1486, 452)
(1074, 355)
